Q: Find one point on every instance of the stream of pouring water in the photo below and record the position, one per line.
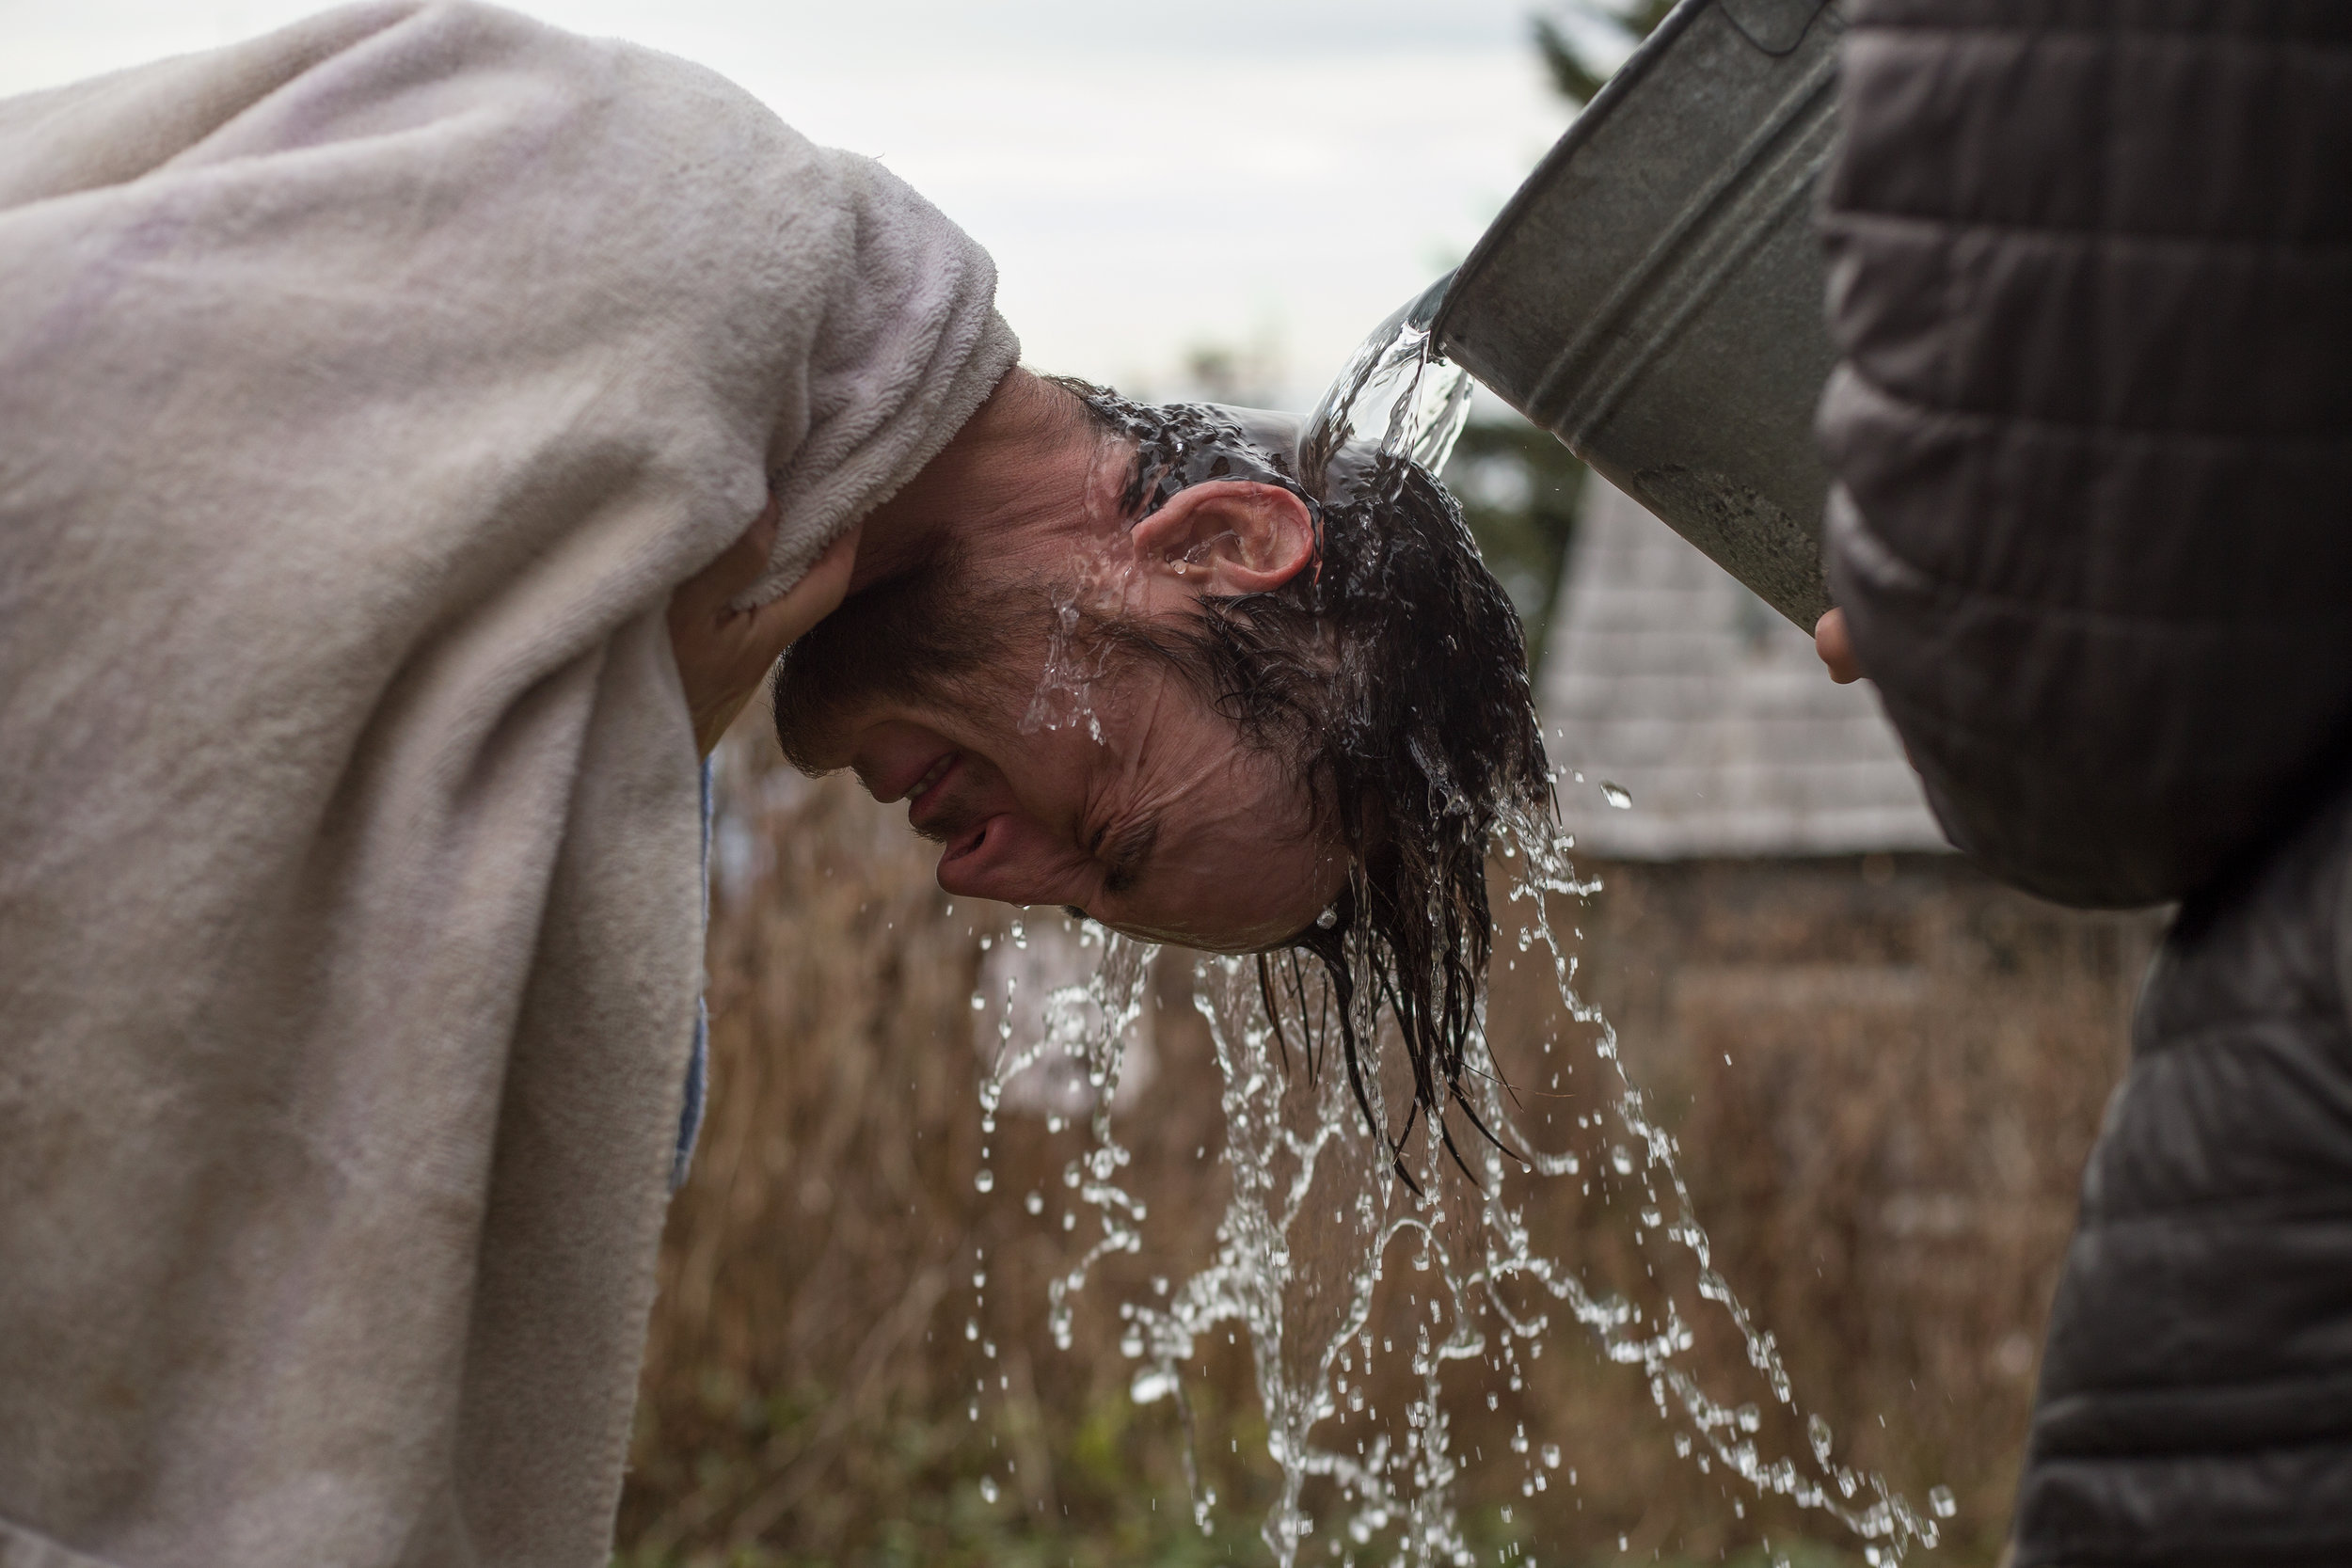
(1316, 1219)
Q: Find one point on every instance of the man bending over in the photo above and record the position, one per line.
(423, 429)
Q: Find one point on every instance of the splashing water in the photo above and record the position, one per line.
(1396, 396)
(1316, 1220)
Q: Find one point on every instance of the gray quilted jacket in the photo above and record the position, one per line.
(2091, 287)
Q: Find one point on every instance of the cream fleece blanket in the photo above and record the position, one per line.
(364, 391)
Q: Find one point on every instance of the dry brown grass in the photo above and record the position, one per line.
(1886, 1165)
(809, 1380)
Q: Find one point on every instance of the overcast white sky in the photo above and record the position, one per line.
(1271, 176)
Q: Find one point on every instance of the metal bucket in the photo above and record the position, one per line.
(1653, 294)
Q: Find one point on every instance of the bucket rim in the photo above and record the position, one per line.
(1464, 279)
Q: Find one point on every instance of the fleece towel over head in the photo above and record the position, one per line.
(364, 391)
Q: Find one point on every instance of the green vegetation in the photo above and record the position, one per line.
(1574, 72)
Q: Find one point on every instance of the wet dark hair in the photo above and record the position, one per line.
(1389, 678)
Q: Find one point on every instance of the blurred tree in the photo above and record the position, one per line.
(1574, 70)
(1247, 376)
(1519, 489)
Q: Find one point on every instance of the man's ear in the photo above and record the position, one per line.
(1229, 536)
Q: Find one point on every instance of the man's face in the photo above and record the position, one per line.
(1131, 802)
(956, 679)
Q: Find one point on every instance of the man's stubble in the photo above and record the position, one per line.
(939, 637)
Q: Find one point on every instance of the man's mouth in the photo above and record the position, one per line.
(919, 793)
(942, 807)
(967, 842)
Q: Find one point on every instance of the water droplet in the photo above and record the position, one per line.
(1940, 1498)
(1816, 1438)
(1617, 795)
(1034, 1203)
(985, 1181)
(1151, 1385)
(988, 1488)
